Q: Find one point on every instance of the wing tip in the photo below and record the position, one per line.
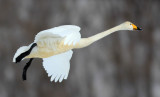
(58, 78)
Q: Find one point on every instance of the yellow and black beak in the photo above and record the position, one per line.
(135, 27)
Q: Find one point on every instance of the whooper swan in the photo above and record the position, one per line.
(55, 46)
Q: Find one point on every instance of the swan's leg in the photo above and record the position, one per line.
(25, 68)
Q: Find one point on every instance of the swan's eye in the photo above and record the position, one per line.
(130, 24)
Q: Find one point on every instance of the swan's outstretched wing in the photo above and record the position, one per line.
(69, 32)
(58, 66)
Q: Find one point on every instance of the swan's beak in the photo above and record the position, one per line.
(136, 28)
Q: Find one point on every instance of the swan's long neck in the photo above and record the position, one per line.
(87, 41)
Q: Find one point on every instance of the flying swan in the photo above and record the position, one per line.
(55, 46)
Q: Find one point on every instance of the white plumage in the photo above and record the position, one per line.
(69, 32)
(55, 46)
(58, 66)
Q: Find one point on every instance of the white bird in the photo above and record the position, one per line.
(55, 46)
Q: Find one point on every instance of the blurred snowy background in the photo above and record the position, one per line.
(124, 64)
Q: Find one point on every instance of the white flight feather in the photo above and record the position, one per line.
(58, 66)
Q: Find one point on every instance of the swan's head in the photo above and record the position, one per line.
(19, 55)
(129, 26)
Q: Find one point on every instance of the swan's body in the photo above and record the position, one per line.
(55, 47)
